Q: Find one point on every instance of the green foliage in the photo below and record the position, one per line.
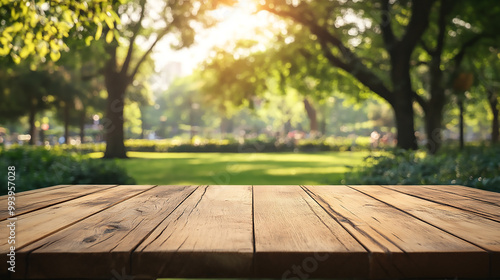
(202, 145)
(476, 167)
(334, 144)
(39, 167)
(41, 28)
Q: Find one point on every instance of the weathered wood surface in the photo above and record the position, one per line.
(105, 240)
(288, 232)
(401, 246)
(208, 235)
(36, 199)
(457, 200)
(291, 228)
(40, 224)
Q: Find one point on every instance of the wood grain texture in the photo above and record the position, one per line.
(41, 199)
(488, 210)
(480, 195)
(475, 229)
(287, 232)
(42, 190)
(40, 224)
(400, 245)
(105, 240)
(208, 235)
(295, 237)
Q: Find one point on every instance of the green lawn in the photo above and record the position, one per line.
(239, 169)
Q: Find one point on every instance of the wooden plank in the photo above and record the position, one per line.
(96, 246)
(456, 200)
(400, 245)
(295, 237)
(481, 195)
(208, 235)
(36, 225)
(41, 190)
(39, 200)
(480, 231)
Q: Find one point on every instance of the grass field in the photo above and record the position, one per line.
(239, 169)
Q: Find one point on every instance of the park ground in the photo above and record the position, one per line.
(240, 169)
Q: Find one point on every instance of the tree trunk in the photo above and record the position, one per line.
(116, 84)
(461, 123)
(403, 101)
(493, 101)
(113, 124)
(191, 123)
(66, 122)
(323, 126)
(433, 126)
(42, 137)
(311, 114)
(405, 126)
(143, 123)
(433, 112)
(31, 120)
(82, 126)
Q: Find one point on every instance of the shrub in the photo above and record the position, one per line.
(204, 145)
(477, 167)
(37, 167)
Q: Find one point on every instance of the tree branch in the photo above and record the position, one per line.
(367, 78)
(420, 100)
(148, 51)
(386, 27)
(315, 29)
(420, 10)
(135, 32)
(419, 63)
(349, 62)
(463, 49)
(444, 10)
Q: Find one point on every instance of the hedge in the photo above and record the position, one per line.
(37, 167)
(477, 167)
(200, 145)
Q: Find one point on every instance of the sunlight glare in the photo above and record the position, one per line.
(241, 21)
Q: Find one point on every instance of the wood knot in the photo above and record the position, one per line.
(111, 228)
(89, 239)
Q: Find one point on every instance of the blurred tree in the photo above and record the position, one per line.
(400, 34)
(233, 77)
(458, 29)
(487, 70)
(141, 94)
(346, 35)
(150, 21)
(26, 91)
(78, 85)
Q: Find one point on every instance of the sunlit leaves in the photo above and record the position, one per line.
(109, 37)
(41, 28)
(98, 33)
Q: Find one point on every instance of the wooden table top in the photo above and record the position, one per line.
(287, 232)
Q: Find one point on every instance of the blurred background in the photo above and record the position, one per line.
(250, 92)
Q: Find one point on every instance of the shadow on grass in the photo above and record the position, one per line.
(242, 169)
